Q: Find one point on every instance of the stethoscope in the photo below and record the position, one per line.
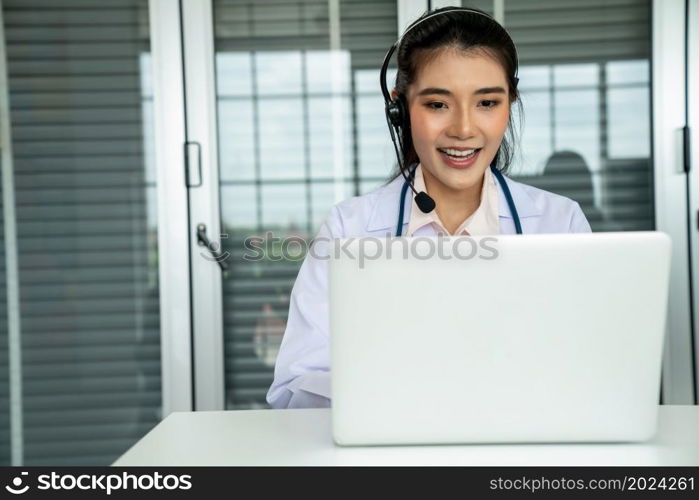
(498, 175)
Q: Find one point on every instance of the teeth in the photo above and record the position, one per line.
(456, 152)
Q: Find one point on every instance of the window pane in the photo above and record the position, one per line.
(375, 147)
(241, 214)
(537, 133)
(284, 206)
(281, 138)
(330, 137)
(268, 67)
(628, 109)
(237, 138)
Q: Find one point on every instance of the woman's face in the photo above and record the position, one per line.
(458, 103)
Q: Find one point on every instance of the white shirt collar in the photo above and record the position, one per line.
(483, 221)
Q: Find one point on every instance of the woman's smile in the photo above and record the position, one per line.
(456, 158)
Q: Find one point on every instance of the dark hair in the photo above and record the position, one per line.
(467, 31)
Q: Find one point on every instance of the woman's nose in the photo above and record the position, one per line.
(461, 125)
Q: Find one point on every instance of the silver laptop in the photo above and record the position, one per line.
(541, 338)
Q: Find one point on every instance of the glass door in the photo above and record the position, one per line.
(299, 126)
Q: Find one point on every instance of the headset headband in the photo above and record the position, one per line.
(387, 57)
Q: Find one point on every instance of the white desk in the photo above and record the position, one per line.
(303, 437)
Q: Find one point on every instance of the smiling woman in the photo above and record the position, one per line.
(457, 76)
(450, 117)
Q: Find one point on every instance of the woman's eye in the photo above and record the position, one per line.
(489, 104)
(436, 105)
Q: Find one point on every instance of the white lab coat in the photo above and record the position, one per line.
(302, 371)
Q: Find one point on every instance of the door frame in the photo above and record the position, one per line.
(206, 274)
(670, 191)
(692, 35)
(173, 232)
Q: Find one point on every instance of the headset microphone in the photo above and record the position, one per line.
(424, 202)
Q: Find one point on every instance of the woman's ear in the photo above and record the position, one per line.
(394, 94)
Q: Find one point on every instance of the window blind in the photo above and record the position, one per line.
(87, 254)
(585, 78)
(566, 31)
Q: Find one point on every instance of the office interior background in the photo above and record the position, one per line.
(131, 129)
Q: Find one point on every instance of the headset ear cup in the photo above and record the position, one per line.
(404, 114)
(397, 112)
(393, 113)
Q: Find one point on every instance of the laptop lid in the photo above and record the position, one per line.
(541, 338)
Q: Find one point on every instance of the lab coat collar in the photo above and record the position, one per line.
(385, 212)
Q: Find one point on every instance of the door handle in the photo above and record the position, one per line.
(213, 248)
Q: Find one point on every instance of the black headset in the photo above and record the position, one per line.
(397, 115)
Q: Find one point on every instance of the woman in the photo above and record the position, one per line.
(456, 82)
